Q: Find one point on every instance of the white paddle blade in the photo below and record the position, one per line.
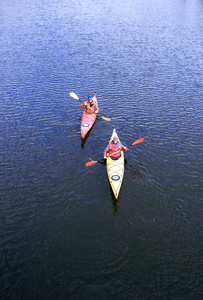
(73, 95)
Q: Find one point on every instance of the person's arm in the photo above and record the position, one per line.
(96, 108)
(83, 104)
(124, 148)
(106, 150)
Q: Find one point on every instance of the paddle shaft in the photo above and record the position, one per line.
(115, 152)
(136, 142)
(89, 107)
(90, 163)
(73, 95)
(100, 161)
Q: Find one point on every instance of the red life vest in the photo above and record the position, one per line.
(114, 149)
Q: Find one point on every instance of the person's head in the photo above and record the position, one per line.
(115, 140)
(90, 99)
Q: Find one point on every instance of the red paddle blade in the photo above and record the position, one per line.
(90, 163)
(138, 141)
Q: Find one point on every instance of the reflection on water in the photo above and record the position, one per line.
(83, 141)
(115, 203)
(136, 174)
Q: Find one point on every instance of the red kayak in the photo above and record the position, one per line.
(88, 120)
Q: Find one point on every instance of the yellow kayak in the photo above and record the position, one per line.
(115, 169)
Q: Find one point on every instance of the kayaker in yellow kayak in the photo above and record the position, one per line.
(91, 106)
(114, 149)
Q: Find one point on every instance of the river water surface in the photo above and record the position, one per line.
(63, 235)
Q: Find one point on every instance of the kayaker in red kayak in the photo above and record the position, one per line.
(91, 106)
(114, 149)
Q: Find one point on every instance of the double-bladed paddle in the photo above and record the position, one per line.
(73, 95)
(90, 163)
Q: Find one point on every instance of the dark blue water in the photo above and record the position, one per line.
(63, 235)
